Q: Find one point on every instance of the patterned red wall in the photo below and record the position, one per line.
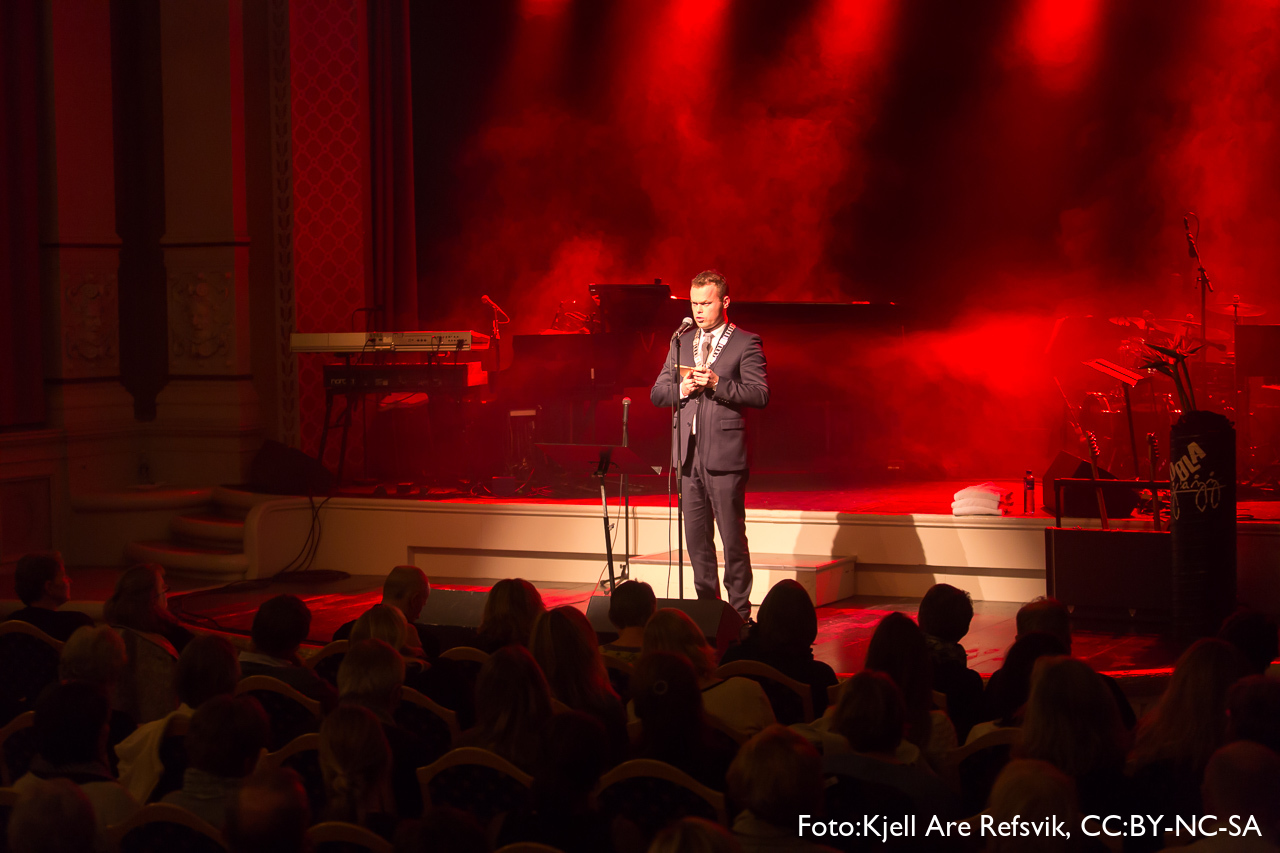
(330, 100)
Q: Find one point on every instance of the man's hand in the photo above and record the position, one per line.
(688, 385)
(704, 378)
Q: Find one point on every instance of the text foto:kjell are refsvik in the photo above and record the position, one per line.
(906, 826)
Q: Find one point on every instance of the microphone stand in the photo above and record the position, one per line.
(1206, 287)
(677, 461)
(626, 503)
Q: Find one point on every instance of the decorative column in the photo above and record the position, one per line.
(207, 427)
(81, 251)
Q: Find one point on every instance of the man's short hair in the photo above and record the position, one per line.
(404, 581)
(52, 816)
(711, 278)
(69, 722)
(945, 612)
(1047, 616)
(1243, 778)
(280, 625)
(269, 814)
(1254, 633)
(33, 571)
(207, 667)
(631, 605)
(225, 736)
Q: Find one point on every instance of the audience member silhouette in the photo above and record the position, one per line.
(226, 737)
(41, 582)
(279, 627)
(355, 761)
(139, 603)
(565, 647)
(944, 616)
(783, 636)
(630, 606)
(513, 707)
(510, 610)
(739, 703)
(674, 729)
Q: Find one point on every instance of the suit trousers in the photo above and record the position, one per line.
(717, 497)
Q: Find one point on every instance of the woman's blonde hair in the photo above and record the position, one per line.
(1032, 790)
(355, 761)
(94, 654)
(511, 608)
(671, 630)
(382, 622)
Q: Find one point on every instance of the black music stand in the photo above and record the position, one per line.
(598, 460)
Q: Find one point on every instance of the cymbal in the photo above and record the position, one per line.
(1189, 329)
(1237, 309)
(1129, 321)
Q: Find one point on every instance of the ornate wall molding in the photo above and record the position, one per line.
(90, 324)
(287, 418)
(201, 321)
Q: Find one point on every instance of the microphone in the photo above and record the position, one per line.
(685, 325)
(626, 404)
(1191, 241)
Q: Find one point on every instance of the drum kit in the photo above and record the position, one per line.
(1155, 406)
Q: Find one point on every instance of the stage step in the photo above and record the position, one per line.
(191, 561)
(209, 529)
(826, 578)
(235, 502)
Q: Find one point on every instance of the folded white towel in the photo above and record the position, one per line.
(984, 491)
(979, 503)
(975, 510)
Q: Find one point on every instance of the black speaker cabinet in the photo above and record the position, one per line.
(719, 622)
(1082, 501)
(1116, 571)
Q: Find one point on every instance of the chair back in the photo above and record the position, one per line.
(17, 747)
(976, 765)
(145, 691)
(28, 664)
(325, 662)
(433, 723)
(173, 757)
(474, 780)
(291, 713)
(164, 828)
(302, 755)
(334, 836)
(792, 700)
(465, 653)
(652, 794)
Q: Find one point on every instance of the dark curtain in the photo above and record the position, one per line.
(395, 277)
(21, 365)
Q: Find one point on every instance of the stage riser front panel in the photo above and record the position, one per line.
(995, 559)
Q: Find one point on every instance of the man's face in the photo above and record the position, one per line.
(708, 308)
(59, 589)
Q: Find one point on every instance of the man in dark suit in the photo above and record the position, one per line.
(728, 376)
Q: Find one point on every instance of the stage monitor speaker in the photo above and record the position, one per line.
(454, 608)
(1082, 501)
(281, 470)
(1114, 570)
(717, 621)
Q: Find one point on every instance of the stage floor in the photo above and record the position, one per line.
(803, 492)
